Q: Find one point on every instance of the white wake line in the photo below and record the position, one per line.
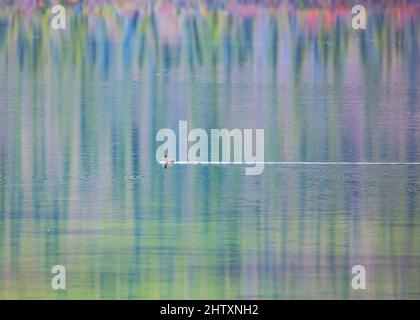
(292, 163)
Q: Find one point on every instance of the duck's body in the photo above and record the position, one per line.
(167, 162)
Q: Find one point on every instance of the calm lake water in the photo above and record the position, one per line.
(80, 186)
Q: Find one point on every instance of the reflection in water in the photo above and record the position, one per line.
(79, 184)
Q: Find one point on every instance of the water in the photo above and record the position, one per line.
(80, 186)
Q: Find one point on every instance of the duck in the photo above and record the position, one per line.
(166, 161)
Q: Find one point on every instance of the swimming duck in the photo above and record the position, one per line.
(166, 161)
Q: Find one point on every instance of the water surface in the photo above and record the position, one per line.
(80, 186)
